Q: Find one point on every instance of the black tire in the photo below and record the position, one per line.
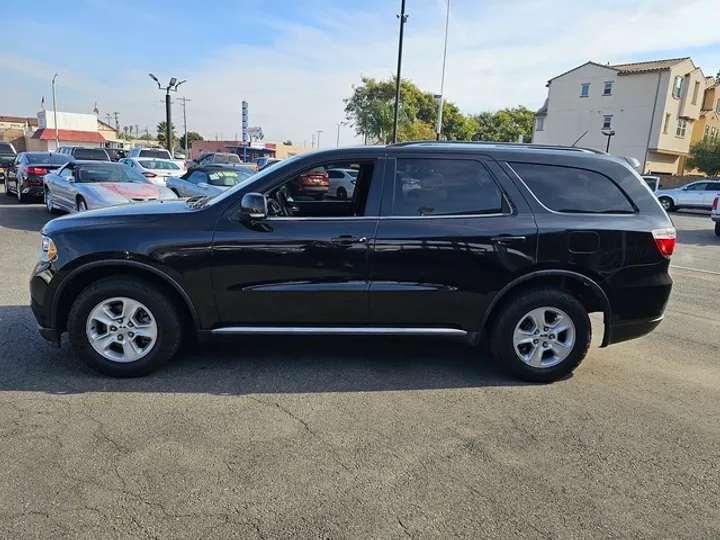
(48, 204)
(162, 307)
(20, 196)
(501, 333)
(668, 204)
(342, 194)
(8, 193)
(80, 202)
(717, 229)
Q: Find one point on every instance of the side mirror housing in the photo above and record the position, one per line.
(253, 206)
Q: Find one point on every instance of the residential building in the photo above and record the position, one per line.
(708, 124)
(645, 110)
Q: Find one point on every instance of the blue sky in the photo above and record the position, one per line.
(295, 60)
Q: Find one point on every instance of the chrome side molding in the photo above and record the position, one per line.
(337, 330)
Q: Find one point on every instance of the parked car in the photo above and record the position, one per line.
(25, 175)
(694, 195)
(156, 153)
(653, 182)
(7, 156)
(116, 154)
(222, 158)
(314, 183)
(715, 215)
(514, 252)
(156, 170)
(80, 152)
(208, 180)
(85, 185)
(342, 183)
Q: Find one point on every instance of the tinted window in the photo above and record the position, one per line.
(437, 187)
(196, 177)
(89, 174)
(335, 174)
(6, 150)
(90, 153)
(697, 187)
(158, 164)
(713, 186)
(157, 154)
(46, 159)
(567, 189)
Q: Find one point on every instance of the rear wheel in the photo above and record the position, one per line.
(717, 229)
(18, 191)
(668, 204)
(541, 335)
(48, 202)
(124, 327)
(342, 194)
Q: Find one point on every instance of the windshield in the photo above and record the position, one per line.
(6, 150)
(159, 164)
(90, 153)
(157, 154)
(227, 178)
(257, 177)
(90, 174)
(47, 159)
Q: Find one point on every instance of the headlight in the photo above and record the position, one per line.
(48, 251)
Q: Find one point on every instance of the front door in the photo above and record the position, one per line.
(452, 233)
(61, 188)
(309, 269)
(692, 194)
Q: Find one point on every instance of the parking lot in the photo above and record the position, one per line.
(363, 438)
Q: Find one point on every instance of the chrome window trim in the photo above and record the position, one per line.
(337, 330)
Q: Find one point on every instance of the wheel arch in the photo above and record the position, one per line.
(91, 272)
(584, 288)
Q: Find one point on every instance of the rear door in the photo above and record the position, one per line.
(692, 194)
(453, 231)
(712, 190)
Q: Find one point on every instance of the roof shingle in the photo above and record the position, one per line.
(68, 135)
(647, 67)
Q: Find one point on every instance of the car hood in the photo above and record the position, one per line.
(124, 190)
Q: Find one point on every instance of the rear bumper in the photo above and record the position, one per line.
(31, 191)
(625, 331)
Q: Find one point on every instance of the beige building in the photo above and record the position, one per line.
(645, 110)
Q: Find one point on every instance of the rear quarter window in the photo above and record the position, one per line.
(573, 190)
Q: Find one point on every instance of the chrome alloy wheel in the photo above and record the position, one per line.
(121, 330)
(544, 337)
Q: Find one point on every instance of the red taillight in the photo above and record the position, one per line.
(185, 165)
(665, 240)
(147, 174)
(715, 204)
(36, 171)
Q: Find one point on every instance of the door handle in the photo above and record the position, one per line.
(347, 240)
(507, 239)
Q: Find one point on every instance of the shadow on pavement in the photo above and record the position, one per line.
(30, 216)
(253, 365)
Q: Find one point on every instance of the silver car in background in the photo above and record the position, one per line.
(202, 181)
(698, 195)
(155, 170)
(342, 183)
(86, 185)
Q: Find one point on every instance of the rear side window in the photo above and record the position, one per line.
(572, 190)
(444, 187)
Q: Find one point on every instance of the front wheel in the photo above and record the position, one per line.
(542, 335)
(81, 205)
(342, 194)
(667, 204)
(48, 202)
(717, 229)
(124, 327)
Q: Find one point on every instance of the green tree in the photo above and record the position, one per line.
(192, 136)
(161, 131)
(505, 125)
(705, 156)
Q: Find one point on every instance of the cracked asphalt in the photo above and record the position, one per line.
(358, 439)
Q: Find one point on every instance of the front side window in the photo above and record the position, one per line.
(677, 87)
(607, 121)
(607, 88)
(573, 190)
(584, 89)
(681, 128)
(444, 187)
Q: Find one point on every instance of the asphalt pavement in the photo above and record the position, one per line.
(363, 438)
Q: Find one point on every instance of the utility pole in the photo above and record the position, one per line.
(117, 122)
(319, 131)
(441, 99)
(403, 20)
(108, 117)
(57, 132)
(184, 101)
(312, 144)
(338, 133)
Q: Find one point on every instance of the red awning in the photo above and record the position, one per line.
(68, 135)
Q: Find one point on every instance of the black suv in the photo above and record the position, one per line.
(509, 246)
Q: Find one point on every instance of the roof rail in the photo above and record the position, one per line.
(528, 146)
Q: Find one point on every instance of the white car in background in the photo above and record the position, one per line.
(342, 183)
(156, 153)
(156, 170)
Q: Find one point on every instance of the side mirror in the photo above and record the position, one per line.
(253, 206)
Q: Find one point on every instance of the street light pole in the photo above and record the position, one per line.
(172, 86)
(609, 134)
(338, 132)
(57, 133)
(442, 78)
(319, 131)
(403, 20)
(184, 101)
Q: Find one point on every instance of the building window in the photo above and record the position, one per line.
(607, 121)
(681, 128)
(713, 134)
(677, 87)
(707, 132)
(585, 89)
(666, 125)
(607, 88)
(540, 124)
(717, 106)
(696, 91)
